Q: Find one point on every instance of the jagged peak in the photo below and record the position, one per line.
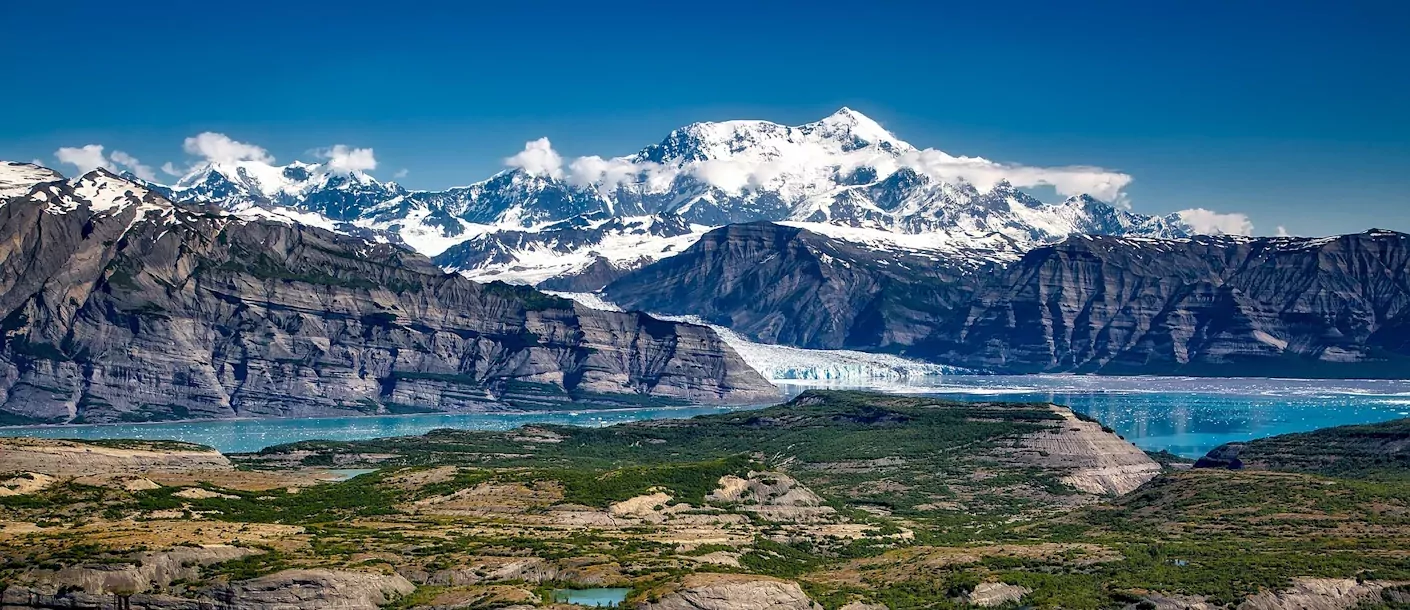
(106, 191)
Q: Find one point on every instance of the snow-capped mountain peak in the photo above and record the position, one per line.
(842, 132)
(850, 123)
(843, 170)
(108, 192)
(272, 182)
(306, 187)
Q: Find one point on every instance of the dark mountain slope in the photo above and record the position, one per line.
(1328, 307)
(1325, 307)
(782, 284)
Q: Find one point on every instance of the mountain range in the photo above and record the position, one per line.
(582, 225)
(1206, 305)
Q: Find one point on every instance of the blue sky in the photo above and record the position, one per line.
(1292, 113)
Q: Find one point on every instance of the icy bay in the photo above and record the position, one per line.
(1187, 416)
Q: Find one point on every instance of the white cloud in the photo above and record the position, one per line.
(538, 159)
(401, 173)
(220, 148)
(734, 174)
(133, 165)
(342, 158)
(85, 158)
(983, 174)
(728, 175)
(1213, 223)
(606, 173)
(90, 157)
(1283, 231)
(172, 170)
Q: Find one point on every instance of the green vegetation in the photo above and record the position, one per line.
(144, 445)
(531, 299)
(362, 496)
(927, 500)
(926, 450)
(688, 482)
(1379, 450)
(245, 568)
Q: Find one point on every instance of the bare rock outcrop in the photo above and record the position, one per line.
(124, 588)
(1304, 594)
(316, 588)
(1316, 594)
(990, 594)
(1100, 462)
(732, 592)
(772, 495)
(145, 571)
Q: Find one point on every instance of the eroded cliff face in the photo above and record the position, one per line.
(1208, 305)
(118, 305)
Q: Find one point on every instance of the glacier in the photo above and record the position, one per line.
(783, 365)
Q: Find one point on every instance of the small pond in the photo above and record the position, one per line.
(596, 598)
(343, 474)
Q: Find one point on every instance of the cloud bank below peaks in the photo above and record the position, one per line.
(814, 165)
(1210, 222)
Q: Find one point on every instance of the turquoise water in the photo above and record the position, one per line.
(246, 435)
(591, 597)
(343, 474)
(1188, 416)
(1184, 415)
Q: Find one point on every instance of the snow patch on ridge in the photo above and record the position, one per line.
(18, 178)
(537, 261)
